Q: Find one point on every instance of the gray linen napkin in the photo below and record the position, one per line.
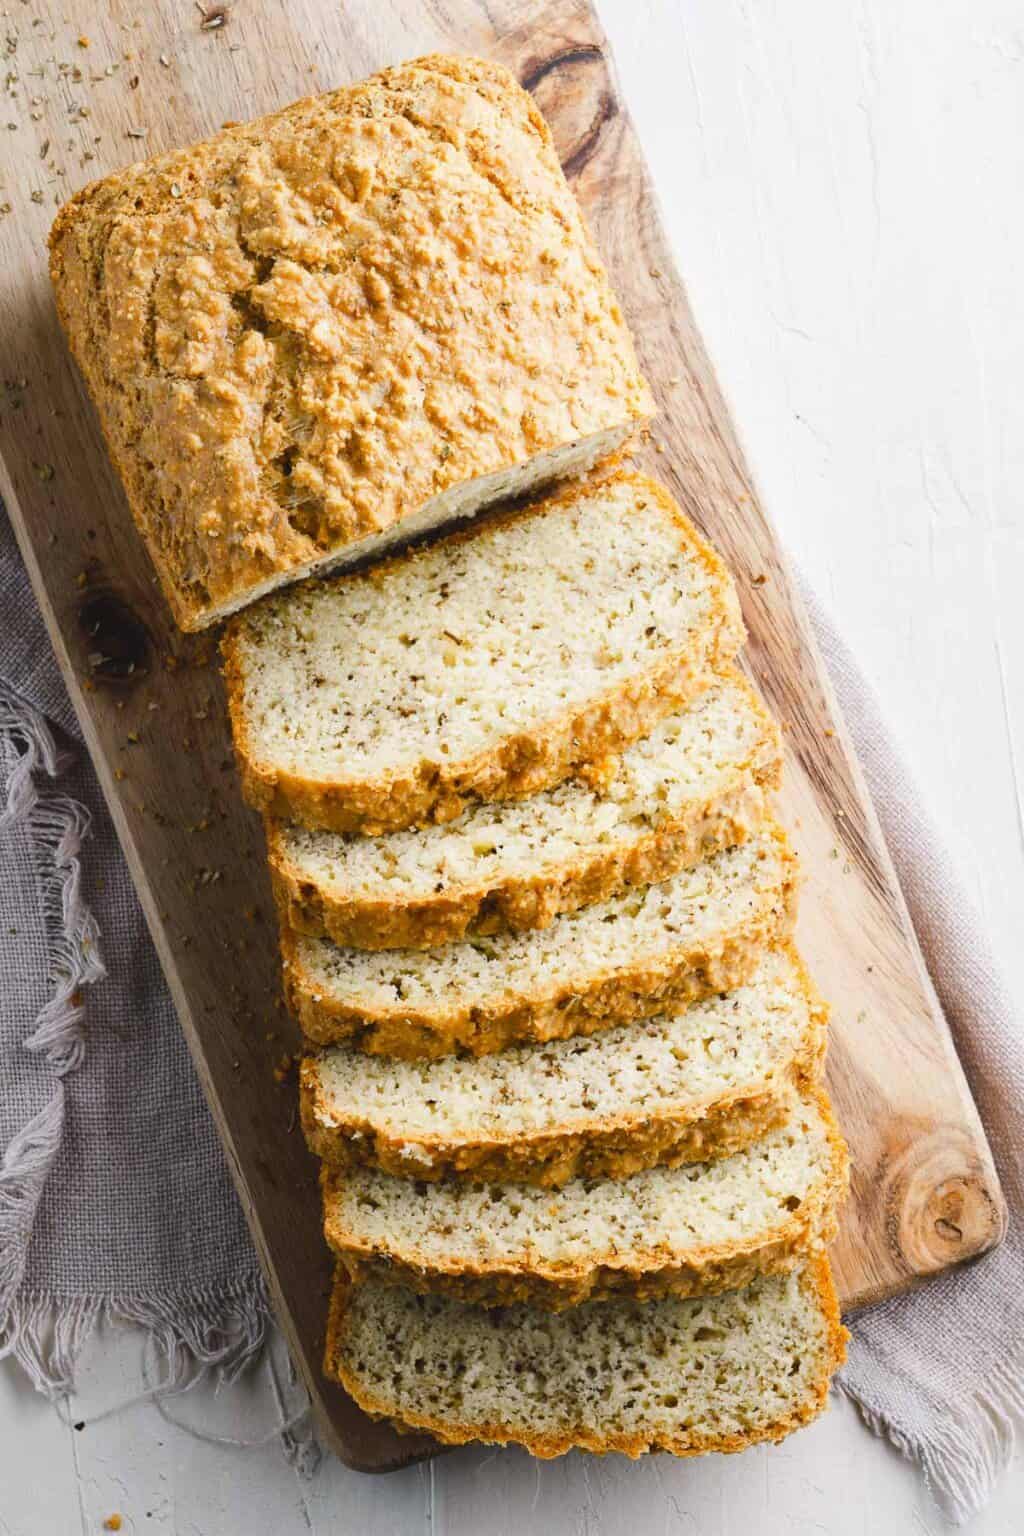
(114, 1197)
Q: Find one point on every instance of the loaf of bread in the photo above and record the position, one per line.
(372, 312)
(675, 1088)
(713, 1373)
(701, 931)
(579, 1171)
(695, 785)
(489, 665)
(686, 1231)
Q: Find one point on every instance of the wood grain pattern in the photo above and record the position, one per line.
(925, 1193)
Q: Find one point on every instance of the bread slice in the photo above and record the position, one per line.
(490, 664)
(695, 785)
(662, 945)
(367, 314)
(671, 1089)
(712, 1373)
(687, 1231)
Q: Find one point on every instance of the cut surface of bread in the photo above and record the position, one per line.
(695, 785)
(713, 1373)
(488, 665)
(360, 317)
(670, 1089)
(687, 1231)
(701, 931)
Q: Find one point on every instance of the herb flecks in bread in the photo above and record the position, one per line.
(686, 1231)
(702, 931)
(717, 1373)
(490, 665)
(673, 1088)
(697, 784)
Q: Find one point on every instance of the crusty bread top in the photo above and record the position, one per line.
(713, 1373)
(429, 671)
(301, 330)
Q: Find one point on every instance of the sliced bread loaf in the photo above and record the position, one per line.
(488, 665)
(695, 785)
(663, 945)
(712, 1373)
(671, 1089)
(687, 1231)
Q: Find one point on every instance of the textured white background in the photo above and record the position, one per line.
(843, 183)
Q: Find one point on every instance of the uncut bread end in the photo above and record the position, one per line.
(699, 783)
(301, 346)
(715, 1373)
(675, 1088)
(758, 882)
(587, 617)
(694, 1230)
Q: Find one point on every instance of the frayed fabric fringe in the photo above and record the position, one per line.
(967, 1445)
(57, 826)
(192, 1336)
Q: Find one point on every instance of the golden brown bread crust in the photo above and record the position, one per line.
(817, 1280)
(521, 764)
(300, 332)
(602, 1151)
(553, 1285)
(673, 981)
(606, 1283)
(690, 976)
(517, 902)
(603, 1147)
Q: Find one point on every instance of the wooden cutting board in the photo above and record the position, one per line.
(107, 85)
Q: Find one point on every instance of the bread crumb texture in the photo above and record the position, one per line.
(702, 931)
(489, 665)
(372, 311)
(695, 785)
(706, 1374)
(668, 1089)
(692, 1230)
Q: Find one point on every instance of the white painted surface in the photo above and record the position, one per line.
(843, 184)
